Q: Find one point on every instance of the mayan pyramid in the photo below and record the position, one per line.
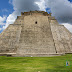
(35, 33)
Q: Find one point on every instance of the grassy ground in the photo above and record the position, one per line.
(36, 64)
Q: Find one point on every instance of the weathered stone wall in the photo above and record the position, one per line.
(9, 38)
(19, 20)
(36, 38)
(35, 33)
(38, 13)
(62, 37)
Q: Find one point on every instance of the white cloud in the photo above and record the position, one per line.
(10, 19)
(20, 6)
(68, 26)
(0, 29)
(41, 5)
(10, 1)
(25, 5)
(61, 9)
(2, 19)
(4, 10)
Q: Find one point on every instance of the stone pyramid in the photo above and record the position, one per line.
(35, 33)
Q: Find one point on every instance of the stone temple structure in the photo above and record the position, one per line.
(35, 33)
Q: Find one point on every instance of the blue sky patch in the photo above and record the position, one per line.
(5, 8)
(48, 10)
(70, 0)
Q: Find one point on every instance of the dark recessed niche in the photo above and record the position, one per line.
(36, 22)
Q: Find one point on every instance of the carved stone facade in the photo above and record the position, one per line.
(35, 33)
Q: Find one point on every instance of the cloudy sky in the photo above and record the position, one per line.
(61, 9)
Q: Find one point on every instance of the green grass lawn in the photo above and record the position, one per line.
(36, 64)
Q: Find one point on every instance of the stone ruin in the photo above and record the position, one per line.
(35, 33)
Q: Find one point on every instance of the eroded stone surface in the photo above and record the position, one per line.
(35, 33)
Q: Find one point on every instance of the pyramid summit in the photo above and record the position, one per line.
(35, 33)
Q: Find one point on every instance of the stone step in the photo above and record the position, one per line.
(36, 50)
(40, 54)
